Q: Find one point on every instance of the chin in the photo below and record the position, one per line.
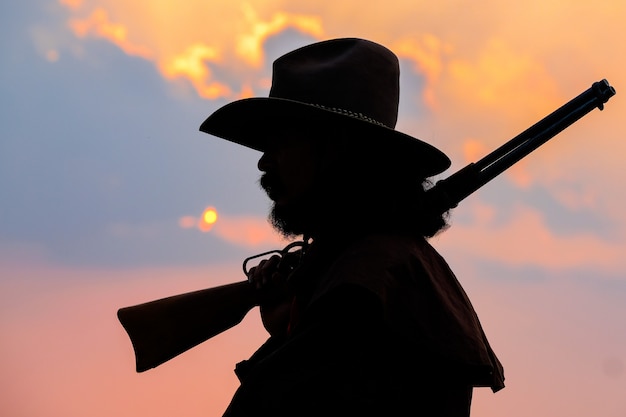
(288, 220)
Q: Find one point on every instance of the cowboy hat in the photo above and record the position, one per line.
(351, 82)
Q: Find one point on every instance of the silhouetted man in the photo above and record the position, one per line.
(370, 321)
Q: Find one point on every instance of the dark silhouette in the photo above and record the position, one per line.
(365, 317)
(370, 321)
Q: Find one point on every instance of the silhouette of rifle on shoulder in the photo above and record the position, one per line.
(163, 329)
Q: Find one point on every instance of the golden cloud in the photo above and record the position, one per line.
(490, 52)
(428, 53)
(501, 75)
(192, 64)
(171, 35)
(98, 25)
(250, 43)
(487, 76)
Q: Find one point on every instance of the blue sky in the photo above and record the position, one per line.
(102, 140)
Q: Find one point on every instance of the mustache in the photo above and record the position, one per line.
(270, 183)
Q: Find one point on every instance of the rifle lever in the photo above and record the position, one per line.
(282, 252)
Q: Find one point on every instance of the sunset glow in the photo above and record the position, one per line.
(103, 101)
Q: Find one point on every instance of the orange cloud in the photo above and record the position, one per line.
(250, 44)
(526, 240)
(520, 175)
(192, 64)
(501, 74)
(473, 150)
(99, 25)
(246, 231)
(428, 52)
(488, 75)
(174, 36)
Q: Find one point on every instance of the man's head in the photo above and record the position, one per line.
(323, 184)
(332, 104)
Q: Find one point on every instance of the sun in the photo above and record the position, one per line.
(208, 219)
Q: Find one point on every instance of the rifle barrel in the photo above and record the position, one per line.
(447, 193)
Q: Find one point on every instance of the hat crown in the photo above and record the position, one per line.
(347, 82)
(352, 76)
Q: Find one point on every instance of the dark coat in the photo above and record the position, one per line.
(381, 327)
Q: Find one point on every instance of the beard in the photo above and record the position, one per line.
(326, 207)
(293, 218)
(286, 221)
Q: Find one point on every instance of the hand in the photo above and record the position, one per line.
(276, 302)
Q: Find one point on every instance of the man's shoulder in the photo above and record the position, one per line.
(378, 261)
(386, 248)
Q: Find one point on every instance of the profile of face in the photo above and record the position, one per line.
(321, 183)
(289, 169)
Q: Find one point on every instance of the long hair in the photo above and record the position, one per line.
(378, 187)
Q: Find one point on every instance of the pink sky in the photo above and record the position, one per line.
(64, 353)
(540, 252)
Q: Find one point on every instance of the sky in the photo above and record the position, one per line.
(104, 179)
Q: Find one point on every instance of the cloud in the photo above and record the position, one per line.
(526, 240)
(193, 65)
(246, 231)
(427, 52)
(249, 45)
(99, 25)
(474, 78)
(100, 156)
(483, 73)
(142, 31)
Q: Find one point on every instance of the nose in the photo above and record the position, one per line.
(265, 162)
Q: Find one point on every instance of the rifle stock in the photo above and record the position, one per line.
(163, 329)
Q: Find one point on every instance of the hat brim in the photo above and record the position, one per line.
(253, 122)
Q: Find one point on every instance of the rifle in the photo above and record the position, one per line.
(163, 329)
